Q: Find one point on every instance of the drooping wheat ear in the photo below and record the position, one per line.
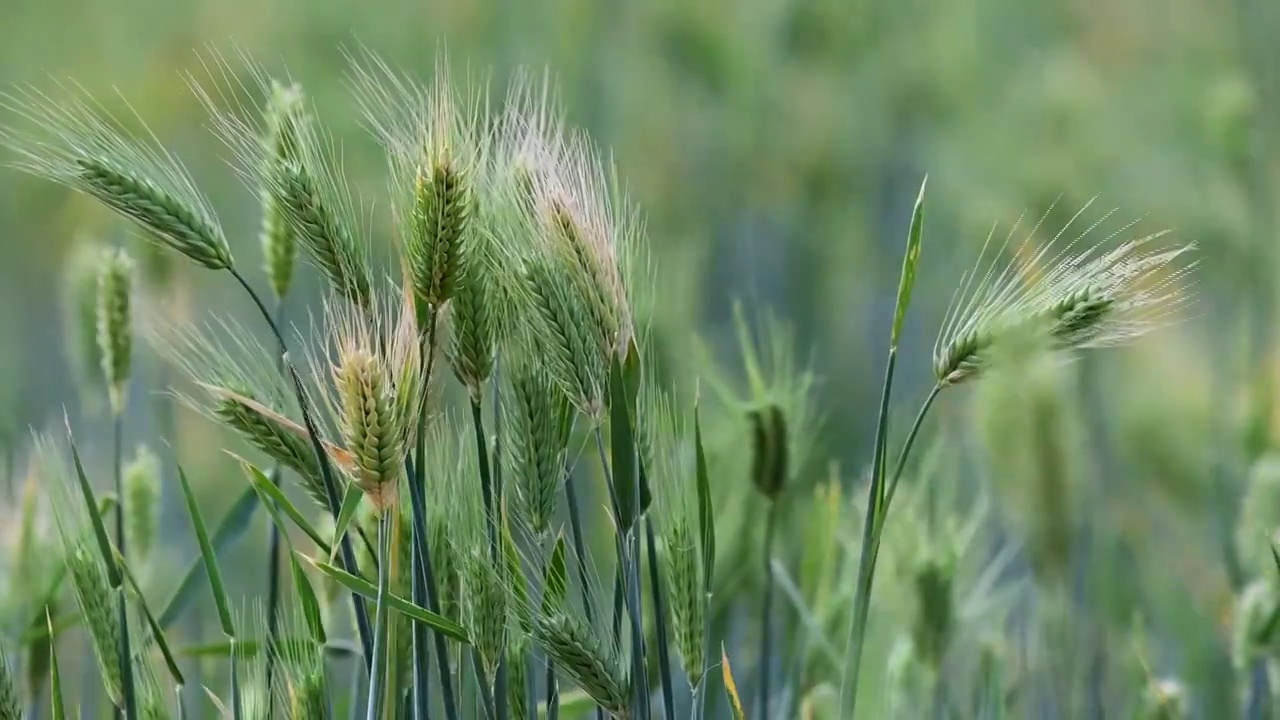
(285, 112)
(433, 138)
(80, 316)
(375, 369)
(1076, 296)
(10, 703)
(238, 387)
(115, 331)
(75, 140)
(142, 488)
(593, 665)
(306, 183)
(539, 422)
(667, 451)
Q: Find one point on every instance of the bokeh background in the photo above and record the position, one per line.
(776, 148)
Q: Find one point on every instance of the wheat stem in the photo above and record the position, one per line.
(273, 561)
(491, 502)
(766, 611)
(911, 438)
(378, 672)
(122, 613)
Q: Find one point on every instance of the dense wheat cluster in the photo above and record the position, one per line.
(487, 496)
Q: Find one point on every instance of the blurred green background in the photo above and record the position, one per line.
(776, 147)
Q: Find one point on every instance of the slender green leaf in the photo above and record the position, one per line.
(350, 503)
(232, 528)
(307, 599)
(39, 632)
(706, 514)
(622, 445)
(210, 557)
(55, 676)
(157, 633)
(368, 590)
(909, 263)
(556, 583)
(95, 519)
(274, 499)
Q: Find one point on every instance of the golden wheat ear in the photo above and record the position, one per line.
(336, 454)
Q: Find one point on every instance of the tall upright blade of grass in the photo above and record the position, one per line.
(876, 492)
(58, 710)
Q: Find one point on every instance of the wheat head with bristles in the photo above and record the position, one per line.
(305, 185)
(237, 386)
(142, 488)
(666, 449)
(539, 423)
(373, 388)
(285, 112)
(435, 145)
(80, 316)
(75, 140)
(1077, 296)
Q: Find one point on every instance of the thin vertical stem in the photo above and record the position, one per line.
(273, 560)
(579, 549)
(491, 510)
(660, 623)
(424, 585)
(766, 611)
(482, 684)
(122, 612)
(377, 675)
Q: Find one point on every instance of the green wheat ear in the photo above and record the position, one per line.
(436, 151)
(285, 113)
(74, 140)
(115, 333)
(142, 488)
(539, 423)
(473, 321)
(302, 174)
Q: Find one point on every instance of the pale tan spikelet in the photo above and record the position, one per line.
(75, 140)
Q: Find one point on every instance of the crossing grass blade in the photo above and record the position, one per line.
(95, 519)
(229, 530)
(311, 614)
(157, 633)
(210, 557)
(369, 591)
(276, 501)
(350, 503)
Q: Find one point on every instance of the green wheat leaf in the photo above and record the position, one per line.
(210, 557)
(368, 590)
(275, 500)
(706, 513)
(232, 528)
(350, 503)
